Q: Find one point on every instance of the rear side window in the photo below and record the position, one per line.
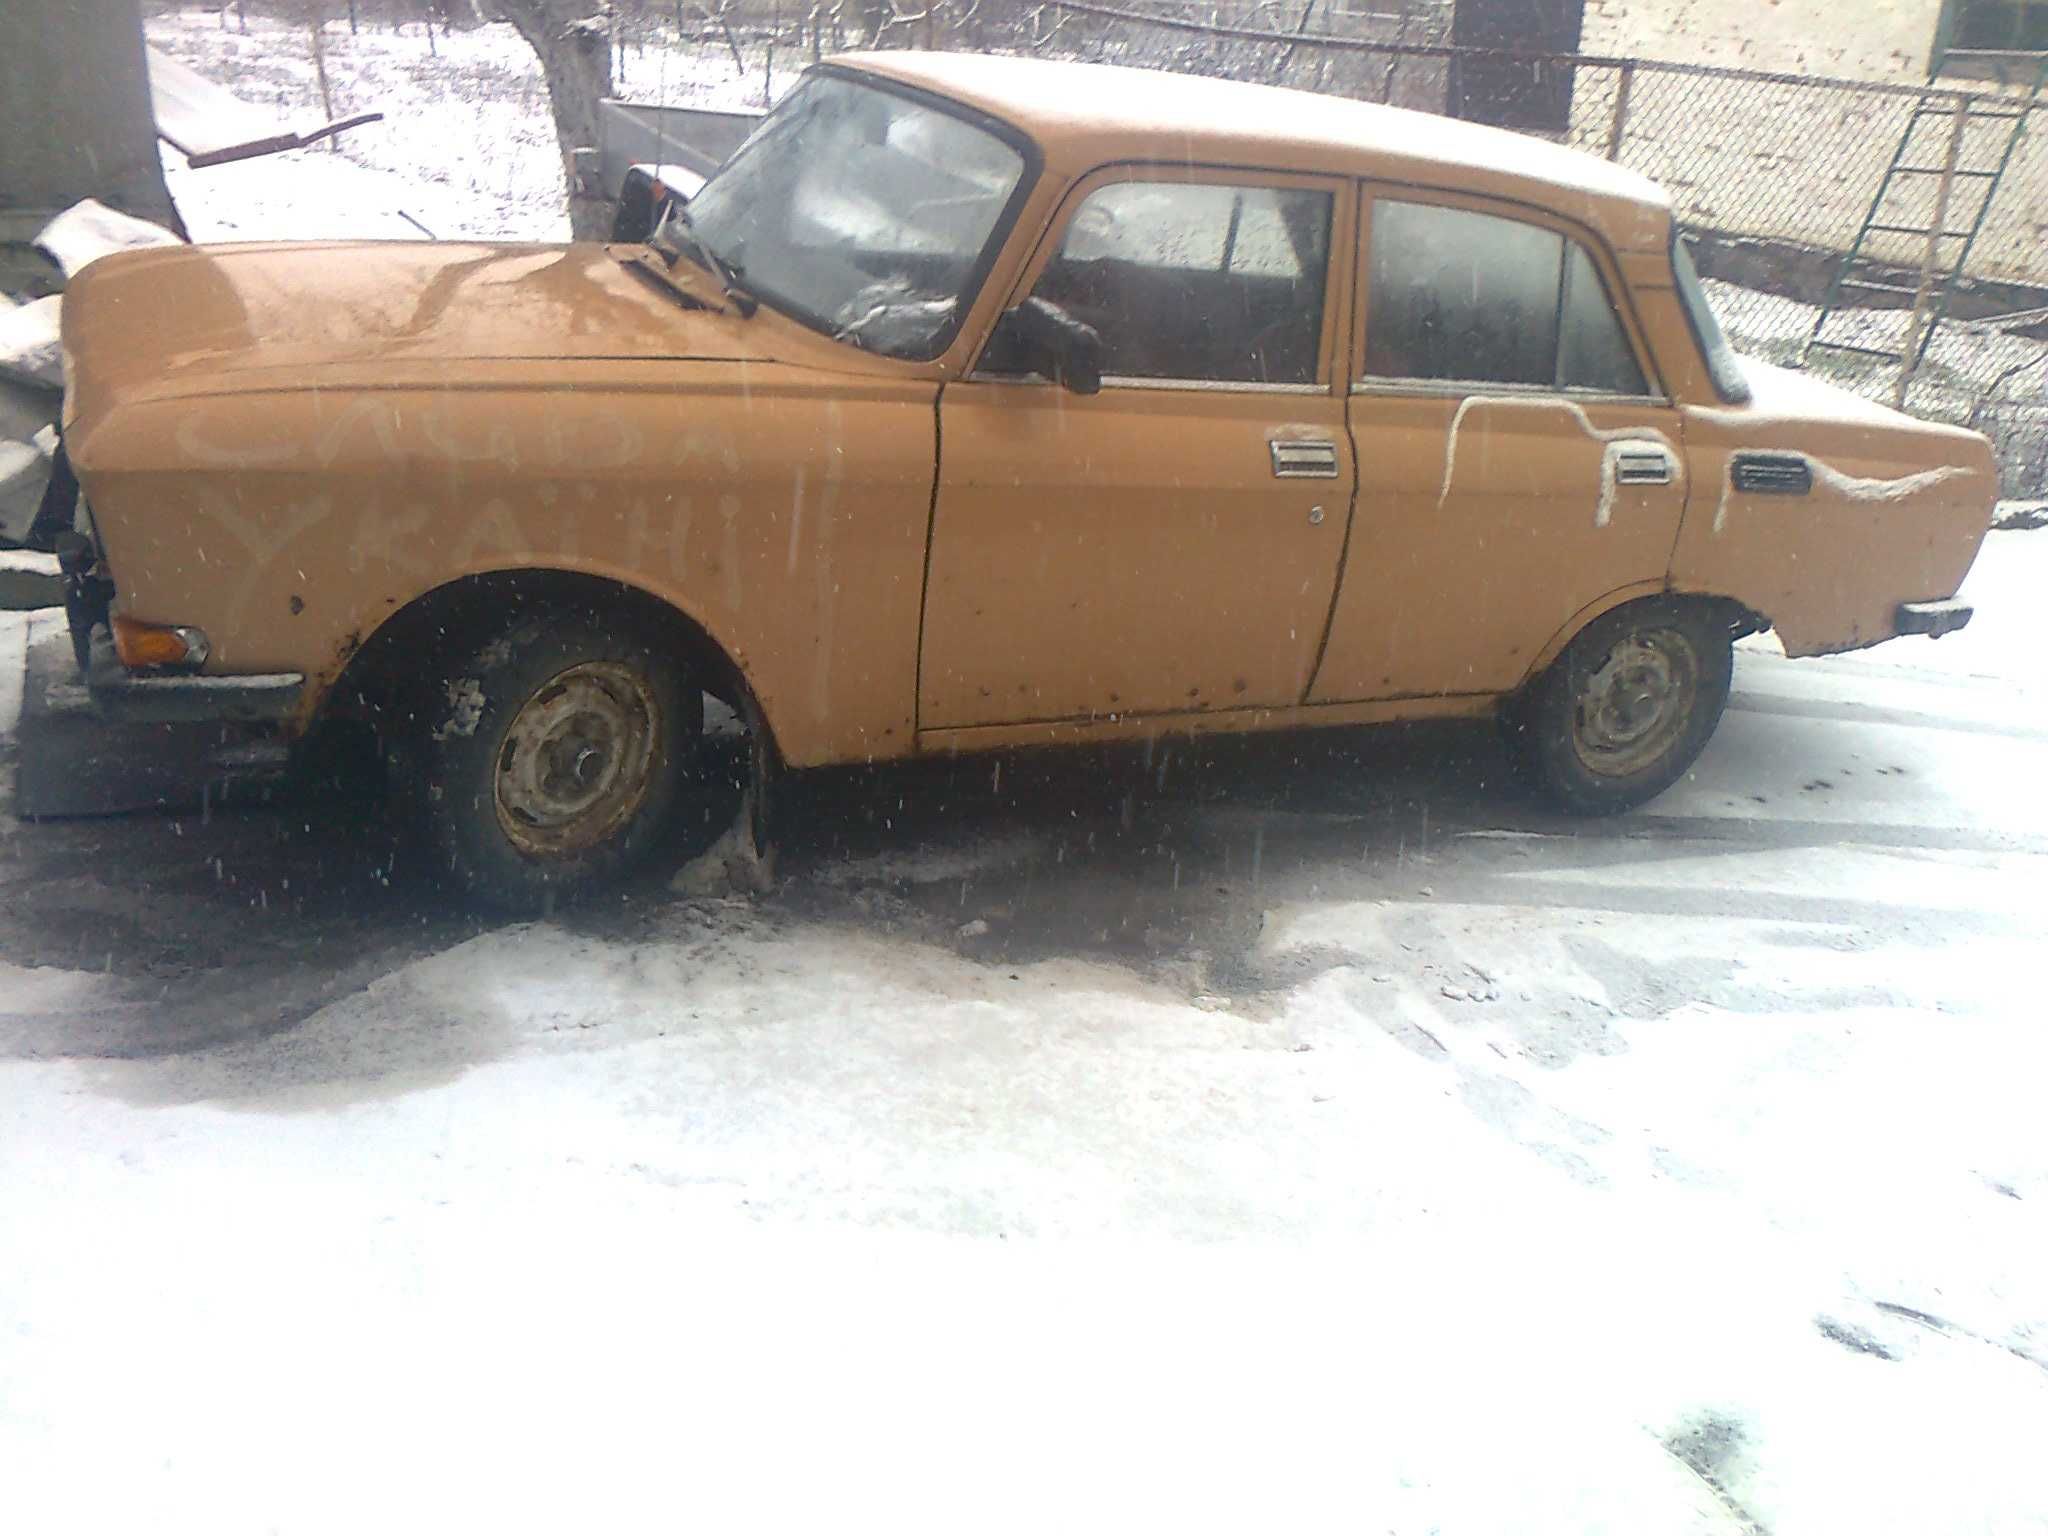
(1201, 282)
(1465, 297)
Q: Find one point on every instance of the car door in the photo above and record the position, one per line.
(1171, 543)
(1519, 461)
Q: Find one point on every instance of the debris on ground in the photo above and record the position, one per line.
(735, 862)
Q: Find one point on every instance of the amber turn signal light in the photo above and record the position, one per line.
(158, 645)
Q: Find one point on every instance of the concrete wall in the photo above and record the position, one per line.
(1802, 162)
(1862, 39)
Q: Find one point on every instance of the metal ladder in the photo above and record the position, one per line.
(1946, 250)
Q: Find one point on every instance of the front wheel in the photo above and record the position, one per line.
(549, 760)
(1626, 709)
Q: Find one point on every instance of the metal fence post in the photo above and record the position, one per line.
(1621, 94)
(1909, 360)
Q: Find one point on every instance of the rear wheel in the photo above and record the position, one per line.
(1627, 708)
(549, 761)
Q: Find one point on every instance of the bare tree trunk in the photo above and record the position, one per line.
(320, 70)
(575, 53)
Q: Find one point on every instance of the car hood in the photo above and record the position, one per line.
(191, 319)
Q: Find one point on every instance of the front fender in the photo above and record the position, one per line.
(790, 527)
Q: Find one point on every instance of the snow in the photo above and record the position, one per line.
(88, 230)
(1618, 441)
(1900, 488)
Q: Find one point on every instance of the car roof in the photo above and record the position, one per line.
(1085, 115)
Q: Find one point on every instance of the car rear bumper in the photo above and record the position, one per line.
(1933, 619)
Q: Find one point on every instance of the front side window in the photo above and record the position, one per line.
(1197, 282)
(863, 213)
(1463, 297)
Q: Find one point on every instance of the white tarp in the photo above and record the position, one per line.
(197, 117)
(208, 123)
(28, 343)
(24, 471)
(86, 231)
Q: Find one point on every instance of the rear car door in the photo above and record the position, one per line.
(1520, 463)
(1172, 543)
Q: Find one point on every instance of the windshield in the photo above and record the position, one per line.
(1723, 366)
(864, 213)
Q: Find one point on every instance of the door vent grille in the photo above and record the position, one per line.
(1771, 474)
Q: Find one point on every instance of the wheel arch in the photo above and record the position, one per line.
(1742, 619)
(374, 677)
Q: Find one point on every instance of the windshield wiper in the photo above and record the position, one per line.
(678, 228)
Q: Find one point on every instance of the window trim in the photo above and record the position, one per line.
(1620, 298)
(1717, 354)
(1461, 389)
(1176, 386)
(1338, 280)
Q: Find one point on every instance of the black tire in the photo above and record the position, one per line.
(546, 761)
(1627, 708)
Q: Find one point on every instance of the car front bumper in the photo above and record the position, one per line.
(263, 698)
(140, 697)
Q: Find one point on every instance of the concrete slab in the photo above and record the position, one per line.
(75, 763)
(29, 581)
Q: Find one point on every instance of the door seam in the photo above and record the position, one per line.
(931, 533)
(1347, 366)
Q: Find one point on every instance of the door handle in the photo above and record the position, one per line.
(1643, 463)
(1304, 459)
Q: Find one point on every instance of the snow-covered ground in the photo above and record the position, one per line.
(1306, 1138)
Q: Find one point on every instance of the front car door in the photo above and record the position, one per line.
(1519, 463)
(1172, 543)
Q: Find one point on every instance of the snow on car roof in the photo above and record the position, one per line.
(1083, 115)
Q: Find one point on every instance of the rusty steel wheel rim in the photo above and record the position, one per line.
(1633, 708)
(577, 761)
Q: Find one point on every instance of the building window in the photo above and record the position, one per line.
(1992, 39)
